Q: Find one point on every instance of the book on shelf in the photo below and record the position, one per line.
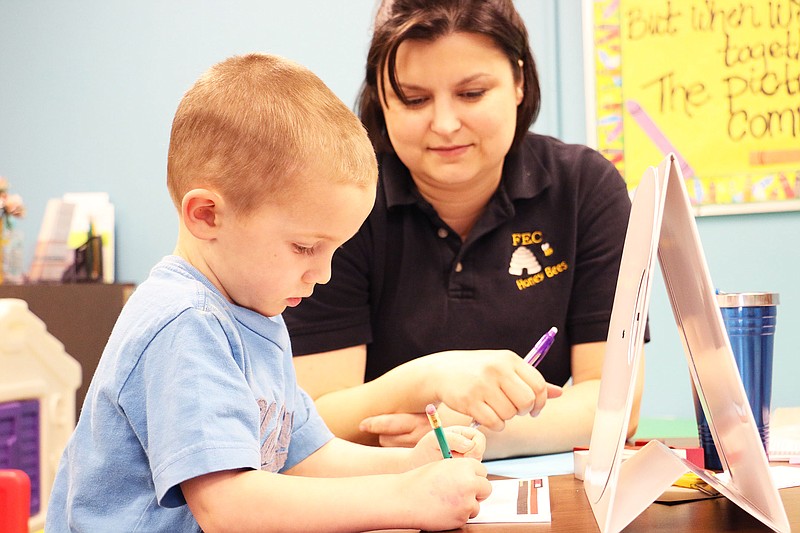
(70, 223)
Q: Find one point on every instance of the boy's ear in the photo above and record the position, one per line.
(202, 211)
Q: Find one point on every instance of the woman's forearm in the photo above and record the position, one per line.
(401, 390)
(564, 423)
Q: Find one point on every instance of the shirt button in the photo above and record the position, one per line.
(459, 268)
(442, 233)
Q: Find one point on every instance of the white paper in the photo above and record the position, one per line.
(516, 500)
(53, 255)
(784, 434)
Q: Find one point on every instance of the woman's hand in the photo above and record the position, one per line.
(397, 430)
(490, 386)
(487, 386)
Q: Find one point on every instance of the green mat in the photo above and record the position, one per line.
(666, 428)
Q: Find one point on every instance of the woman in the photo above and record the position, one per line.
(483, 236)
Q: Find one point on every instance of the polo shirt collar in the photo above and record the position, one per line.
(397, 184)
(524, 175)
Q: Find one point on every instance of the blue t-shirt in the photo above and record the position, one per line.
(188, 384)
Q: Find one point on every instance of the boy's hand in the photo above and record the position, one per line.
(463, 442)
(446, 493)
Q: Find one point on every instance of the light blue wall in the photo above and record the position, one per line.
(88, 89)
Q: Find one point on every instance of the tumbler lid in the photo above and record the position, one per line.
(747, 299)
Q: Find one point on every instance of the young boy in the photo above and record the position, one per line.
(194, 419)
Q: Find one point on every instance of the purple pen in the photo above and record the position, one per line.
(541, 347)
(536, 354)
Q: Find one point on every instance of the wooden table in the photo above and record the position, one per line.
(571, 513)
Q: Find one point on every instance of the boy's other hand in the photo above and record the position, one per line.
(463, 442)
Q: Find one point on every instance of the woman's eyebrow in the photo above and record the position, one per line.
(468, 79)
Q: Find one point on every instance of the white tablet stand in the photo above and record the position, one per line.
(662, 221)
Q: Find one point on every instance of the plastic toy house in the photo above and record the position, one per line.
(38, 381)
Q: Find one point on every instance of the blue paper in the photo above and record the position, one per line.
(534, 466)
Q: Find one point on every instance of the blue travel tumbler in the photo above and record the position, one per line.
(749, 319)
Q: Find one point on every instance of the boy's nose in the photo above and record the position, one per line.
(320, 274)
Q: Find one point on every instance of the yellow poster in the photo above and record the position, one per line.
(717, 82)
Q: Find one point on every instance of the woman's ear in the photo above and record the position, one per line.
(520, 88)
(201, 211)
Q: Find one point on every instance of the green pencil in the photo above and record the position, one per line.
(433, 417)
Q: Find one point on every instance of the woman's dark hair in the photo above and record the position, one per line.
(427, 20)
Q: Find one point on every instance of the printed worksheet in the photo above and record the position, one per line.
(516, 500)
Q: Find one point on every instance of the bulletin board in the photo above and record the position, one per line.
(717, 82)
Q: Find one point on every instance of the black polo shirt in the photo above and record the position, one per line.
(545, 252)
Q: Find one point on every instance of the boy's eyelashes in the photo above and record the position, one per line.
(303, 250)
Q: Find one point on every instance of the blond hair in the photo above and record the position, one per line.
(254, 128)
